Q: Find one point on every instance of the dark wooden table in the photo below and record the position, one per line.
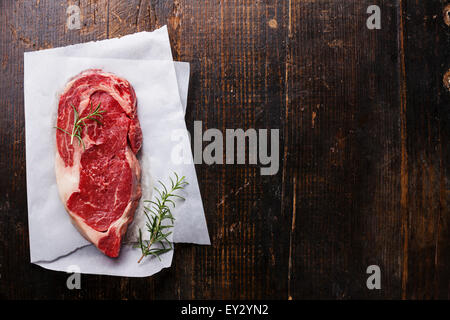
(364, 146)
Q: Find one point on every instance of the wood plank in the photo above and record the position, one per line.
(427, 132)
(343, 150)
(236, 83)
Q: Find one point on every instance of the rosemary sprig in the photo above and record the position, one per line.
(79, 123)
(157, 213)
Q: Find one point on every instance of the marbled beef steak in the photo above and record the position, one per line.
(99, 182)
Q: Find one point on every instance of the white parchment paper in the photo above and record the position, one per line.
(144, 45)
(161, 89)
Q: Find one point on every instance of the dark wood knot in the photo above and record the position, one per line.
(447, 15)
(446, 79)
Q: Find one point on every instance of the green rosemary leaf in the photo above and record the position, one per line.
(80, 123)
(158, 215)
(62, 130)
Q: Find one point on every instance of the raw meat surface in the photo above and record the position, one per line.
(99, 184)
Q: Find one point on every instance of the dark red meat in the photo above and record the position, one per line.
(99, 184)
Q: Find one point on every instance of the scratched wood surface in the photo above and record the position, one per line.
(364, 158)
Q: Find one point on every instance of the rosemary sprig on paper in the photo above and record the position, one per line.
(79, 123)
(157, 213)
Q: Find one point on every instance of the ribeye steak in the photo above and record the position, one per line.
(99, 182)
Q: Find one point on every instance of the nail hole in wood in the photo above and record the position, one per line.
(447, 15)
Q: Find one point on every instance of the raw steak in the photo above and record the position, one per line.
(99, 184)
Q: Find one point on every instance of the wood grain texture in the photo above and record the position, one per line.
(427, 133)
(344, 147)
(364, 130)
